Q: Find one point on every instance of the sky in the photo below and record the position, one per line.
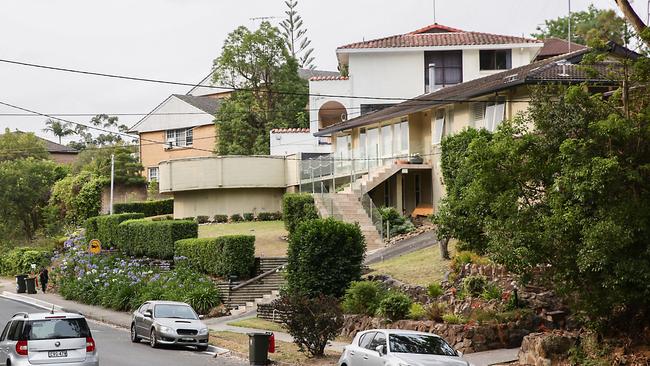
(177, 40)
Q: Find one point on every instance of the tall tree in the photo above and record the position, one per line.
(633, 18)
(103, 121)
(296, 36)
(268, 90)
(97, 161)
(586, 26)
(21, 145)
(58, 128)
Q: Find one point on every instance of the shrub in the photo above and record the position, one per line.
(104, 228)
(435, 311)
(20, 260)
(466, 257)
(248, 216)
(162, 218)
(398, 224)
(312, 322)
(203, 299)
(220, 218)
(154, 238)
(222, 256)
(202, 219)
(395, 306)
(492, 292)
(296, 208)
(269, 216)
(148, 208)
(453, 319)
(416, 311)
(474, 285)
(363, 297)
(76, 198)
(236, 218)
(435, 290)
(324, 256)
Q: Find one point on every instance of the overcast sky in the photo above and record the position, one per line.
(178, 39)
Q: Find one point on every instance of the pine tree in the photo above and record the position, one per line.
(296, 37)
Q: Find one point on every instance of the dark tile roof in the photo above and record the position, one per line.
(206, 104)
(53, 147)
(439, 36)
(548, 70)
(555, 46)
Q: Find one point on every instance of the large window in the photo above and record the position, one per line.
(488, 114)
(180, 138)
(401, 138)
(387, 141)
(447, 66)
(495, 59)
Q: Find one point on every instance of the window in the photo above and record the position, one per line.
(174, 311)
(180, 138)
(488, 114)
(438, 127)
(387, 141)
(447, 68)
(365, 339)
(401, 138)
(5, 331)
(152, 174)
(379, 340)
(495, 59)
(420, 344)
(57, 329)
(16, 330)
(373, 146)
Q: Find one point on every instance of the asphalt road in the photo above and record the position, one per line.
(116, 349)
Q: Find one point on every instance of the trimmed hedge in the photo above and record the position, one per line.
(20, 260)
(220, 218)
(296, 208)
(222, 256)
(148, 208)
(104, 227)
(154, 239)
(269, 216)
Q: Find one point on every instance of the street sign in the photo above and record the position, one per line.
(95, 246)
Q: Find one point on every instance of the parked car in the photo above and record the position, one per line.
(48, 339)
(169, 323)
(394, 347)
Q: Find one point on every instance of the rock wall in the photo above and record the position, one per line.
(546, 349)
(465, 338)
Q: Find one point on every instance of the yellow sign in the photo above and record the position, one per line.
(95, 246)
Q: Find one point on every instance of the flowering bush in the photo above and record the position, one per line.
(125, 283)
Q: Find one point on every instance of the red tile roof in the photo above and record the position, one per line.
(327, 78)
(290, 130)
(439, 36)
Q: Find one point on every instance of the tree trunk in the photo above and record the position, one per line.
(632, 17)
(444, 248)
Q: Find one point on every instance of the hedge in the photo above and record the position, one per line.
(222, 256)
(20, 260)
(104, 228)
(296, 208)
(154, 239)
(148, 208)
(269, 216)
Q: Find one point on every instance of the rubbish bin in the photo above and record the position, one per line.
(31, 285)
(21, 287)
(258, 348)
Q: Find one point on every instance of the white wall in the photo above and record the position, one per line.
(328, 87)
(283, 144)
(169, 115)
(472, 67)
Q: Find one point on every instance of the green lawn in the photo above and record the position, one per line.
(421, 267)
(257, 323)
(268, 242)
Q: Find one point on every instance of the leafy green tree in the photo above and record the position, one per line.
(98, 162)
(76, 198)
(21, 145)
(58, 128)
(296, 36)
(586, 26)
(26, 185)
(268, 91)
(105, 122)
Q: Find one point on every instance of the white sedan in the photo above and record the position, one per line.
(394, 347)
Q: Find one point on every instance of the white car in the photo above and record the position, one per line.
(394, 347)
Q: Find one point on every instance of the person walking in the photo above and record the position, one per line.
(43, 278)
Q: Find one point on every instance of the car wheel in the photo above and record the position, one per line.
(153, 342)
(134, 335)
(202, 348)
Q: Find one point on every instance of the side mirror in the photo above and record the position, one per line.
(147, 314)
(460, 354)
(201, 317)
(381, 349)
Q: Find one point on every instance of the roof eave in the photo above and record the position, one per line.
(341, 50)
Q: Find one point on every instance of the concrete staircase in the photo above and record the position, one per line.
(348, 208)
(371, 180)
(264, 288)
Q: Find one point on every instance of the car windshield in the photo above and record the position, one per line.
(57, 329)
(174, 311)
(420, 344)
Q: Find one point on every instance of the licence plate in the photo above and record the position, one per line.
(187, 339)
(57, 354)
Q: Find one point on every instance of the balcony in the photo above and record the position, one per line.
(217, 172)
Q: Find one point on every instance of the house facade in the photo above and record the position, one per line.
(392, 157)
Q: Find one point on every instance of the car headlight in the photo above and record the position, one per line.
(165, 329)
(203, 331)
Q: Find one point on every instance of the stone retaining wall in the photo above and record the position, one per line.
(465, 338)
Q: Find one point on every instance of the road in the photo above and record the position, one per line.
(115, 348)
(405, 246)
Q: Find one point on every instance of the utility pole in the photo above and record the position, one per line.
(112, 181)
(569, 26)
(435, 21)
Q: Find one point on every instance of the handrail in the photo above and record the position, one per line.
(259, 277)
